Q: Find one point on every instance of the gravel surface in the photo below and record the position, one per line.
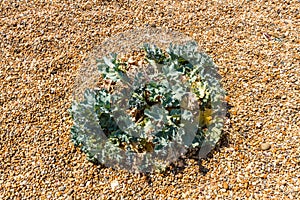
(256, 45)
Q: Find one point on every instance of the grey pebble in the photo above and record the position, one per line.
(61, 188)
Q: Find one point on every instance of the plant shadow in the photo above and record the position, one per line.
(193, 154)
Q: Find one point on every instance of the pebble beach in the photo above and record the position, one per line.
(256, 46)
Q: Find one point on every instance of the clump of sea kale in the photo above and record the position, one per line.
(150, 114)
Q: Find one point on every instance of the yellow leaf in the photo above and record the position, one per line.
(205, 117)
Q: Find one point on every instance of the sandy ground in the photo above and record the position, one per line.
(256, 45)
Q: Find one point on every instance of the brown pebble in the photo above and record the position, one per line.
(247, 193)
(225, 185)
(265, 146)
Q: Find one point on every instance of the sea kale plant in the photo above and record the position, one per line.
(151, 114)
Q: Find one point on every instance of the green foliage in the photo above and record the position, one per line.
(155, 113)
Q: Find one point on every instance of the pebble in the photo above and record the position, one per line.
(114, 184)
(225, 185)
(62, 188)
(70, 191)
(265, 146)
(247, 193)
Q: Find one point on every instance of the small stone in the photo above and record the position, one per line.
(225, 186)
(70, 191)
(130, 181)
(88, 183)
(114, 184)
(131, 60)
(265, 146)
(223, 190)
(247, 194)
(62, 188)
(259, 124)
